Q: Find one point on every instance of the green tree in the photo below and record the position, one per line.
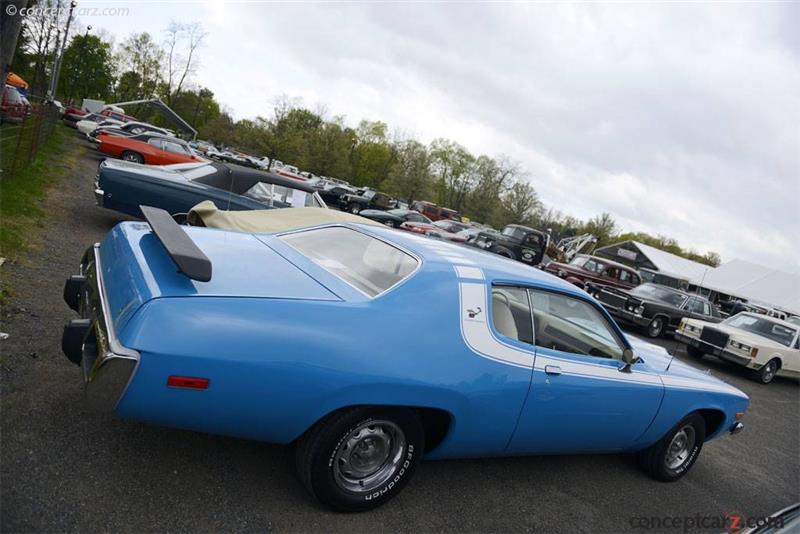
(87, 69)
(518, 205)
(603, 227)
(410, 177)
(372, 155)
(141, 54)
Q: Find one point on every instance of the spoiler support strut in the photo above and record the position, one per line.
(189, 259)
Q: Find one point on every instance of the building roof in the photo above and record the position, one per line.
(670, 264)
(756, 283)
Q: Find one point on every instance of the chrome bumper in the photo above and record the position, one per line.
(708, 348)
(91, 342)
(99, 194)
(736, 428)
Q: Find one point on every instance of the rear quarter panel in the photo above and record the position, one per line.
(277, 366)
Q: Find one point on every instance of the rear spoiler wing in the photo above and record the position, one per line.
(189, 259)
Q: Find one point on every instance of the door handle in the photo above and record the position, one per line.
(552, 369)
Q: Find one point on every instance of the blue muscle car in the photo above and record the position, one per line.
(432, 350)
(124, 186)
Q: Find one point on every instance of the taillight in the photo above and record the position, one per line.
(188, 382)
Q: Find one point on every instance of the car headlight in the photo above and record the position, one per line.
(752, 351)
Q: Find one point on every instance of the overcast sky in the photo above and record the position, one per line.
(679, 119)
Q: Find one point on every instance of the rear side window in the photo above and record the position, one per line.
(511, 313)
(370, 265)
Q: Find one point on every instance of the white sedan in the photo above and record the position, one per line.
(87, 125)
(765, 344)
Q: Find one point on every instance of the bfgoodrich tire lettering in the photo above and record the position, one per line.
(673, 455)
(331, 467)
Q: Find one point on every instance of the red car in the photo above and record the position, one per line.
(583, 270)
(432, 230)
(149, 148)
(434, 212)
(15, 108)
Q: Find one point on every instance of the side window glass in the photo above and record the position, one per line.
(706, 309)
(511, 313)
(567, 324)
(155, 142)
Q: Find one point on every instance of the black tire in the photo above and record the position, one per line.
(322, 457)
(656, 327)
(694, 352)
(506, 253)
(768, 371)
(660, 461)
(131, 156)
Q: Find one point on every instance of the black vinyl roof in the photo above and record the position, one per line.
(238, 179)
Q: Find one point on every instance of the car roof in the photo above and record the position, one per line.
(238, 179)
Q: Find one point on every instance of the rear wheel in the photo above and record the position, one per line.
(134, 157)
(357, 459)
(768, 371)
(673, 455)
(656, 327)
(694, 352)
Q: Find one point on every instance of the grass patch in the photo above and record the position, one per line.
(22, 195)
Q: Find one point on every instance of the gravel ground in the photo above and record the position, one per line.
(65, 468)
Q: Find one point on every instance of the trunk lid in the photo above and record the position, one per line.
(137, 268)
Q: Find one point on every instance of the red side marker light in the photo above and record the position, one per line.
(189, 382)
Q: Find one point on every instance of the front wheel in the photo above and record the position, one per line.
(355, 209)
(134, 157)
(357, 459)
(673, 455)
(768, 371)
(656, 327)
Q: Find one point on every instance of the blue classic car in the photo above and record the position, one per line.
(123, 186)
(430, 349)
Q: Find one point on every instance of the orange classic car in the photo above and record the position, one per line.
(149, 148)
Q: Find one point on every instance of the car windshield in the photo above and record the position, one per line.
(660, 293)
(280, 196)
(794, 320)
(370, 265)
(764, 327)
(588, 263)
(516, 233)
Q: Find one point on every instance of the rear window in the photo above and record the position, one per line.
(370, 265)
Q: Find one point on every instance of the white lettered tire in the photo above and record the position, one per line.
(673, 455)
(358, 458)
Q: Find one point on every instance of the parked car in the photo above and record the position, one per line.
(431, 230)
(289, 171)
(767, 345)
(149, 148)
(123, 187)
(451, 225)
(86, 126)
(434, 212)
(13, 107)
(472, 232)
(334, 194)
(395, 217)
(366, 198)
(516, 242)
(326, 337)
(656, 308)
(584, 269)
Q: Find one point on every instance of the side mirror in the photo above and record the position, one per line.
(628, 359)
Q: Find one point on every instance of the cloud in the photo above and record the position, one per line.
(679, 119)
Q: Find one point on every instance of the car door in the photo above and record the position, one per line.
(580, 399)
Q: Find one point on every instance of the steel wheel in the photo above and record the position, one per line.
(768, 372)
(369, 456)
(679, 449)
(655, 327)
(132, 157)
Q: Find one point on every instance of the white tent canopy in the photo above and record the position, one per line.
(756, 283)
(676, 266)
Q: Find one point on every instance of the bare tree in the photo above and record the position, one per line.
(181, 63)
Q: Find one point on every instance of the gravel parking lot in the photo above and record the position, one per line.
(65, 468)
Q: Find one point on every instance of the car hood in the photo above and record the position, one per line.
(675, 373)
(377, 213)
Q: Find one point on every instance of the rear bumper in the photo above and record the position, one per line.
(719, 352)
(90, 341)
(99, 195)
